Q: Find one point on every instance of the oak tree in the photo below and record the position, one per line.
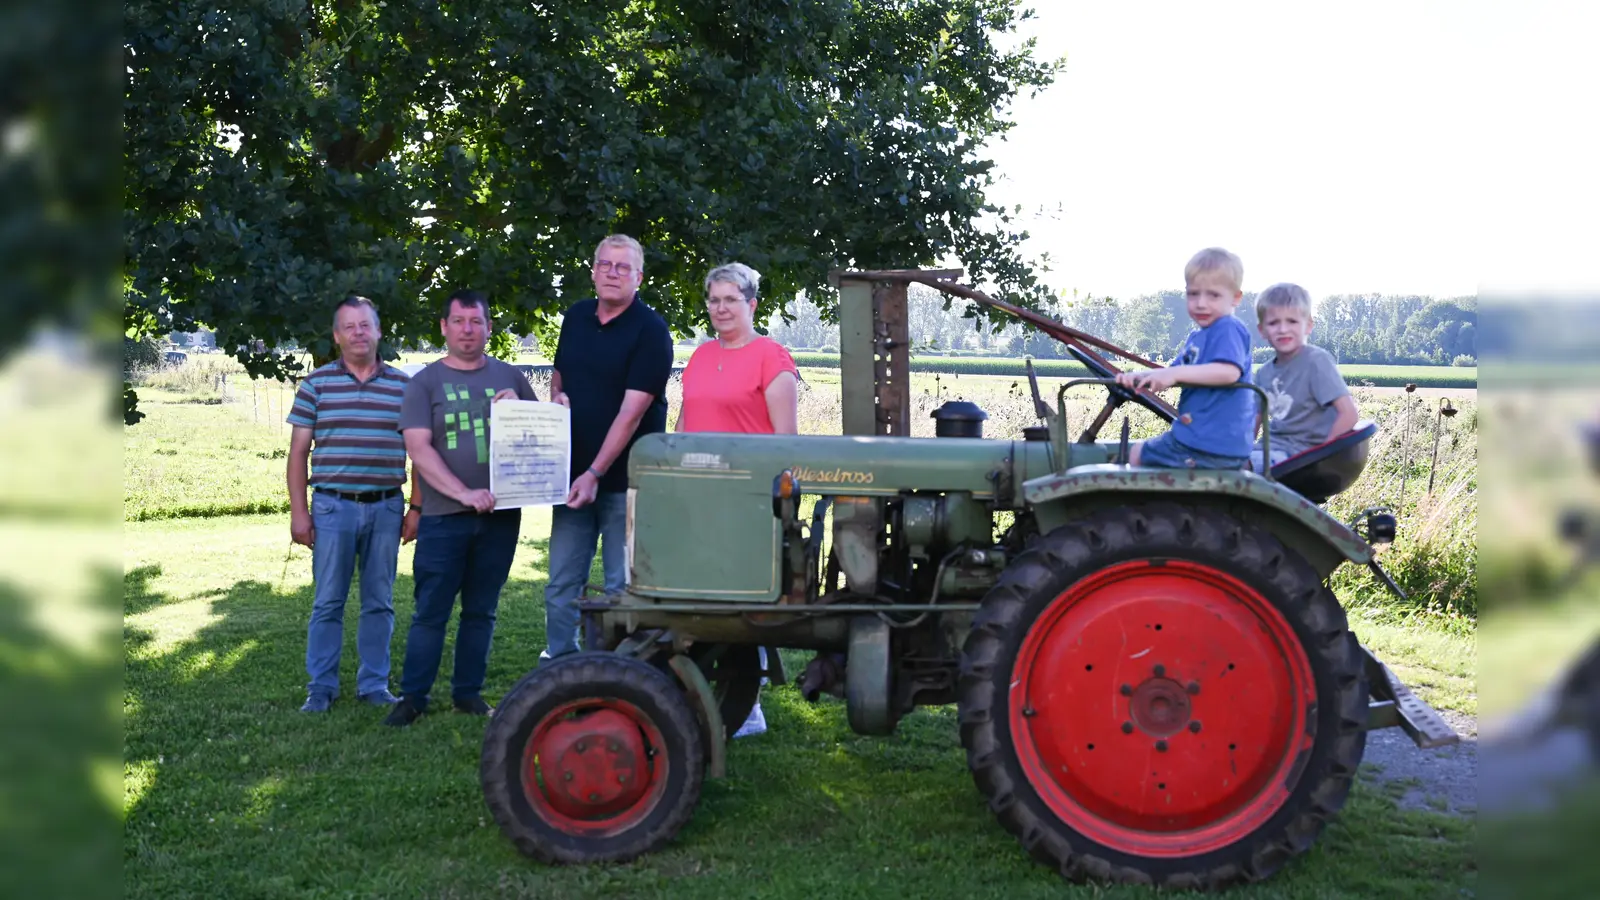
(280, 153)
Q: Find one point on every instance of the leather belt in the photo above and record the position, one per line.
(363, 497)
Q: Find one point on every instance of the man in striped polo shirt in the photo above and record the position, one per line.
(346, 420)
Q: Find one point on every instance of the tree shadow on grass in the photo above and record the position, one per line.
(58, 742)
(233, 791)
(137, 595)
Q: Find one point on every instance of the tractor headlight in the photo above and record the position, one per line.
(1381, 528)
(1376, 524)
(1573, 525)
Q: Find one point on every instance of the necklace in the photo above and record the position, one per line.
(723, 346)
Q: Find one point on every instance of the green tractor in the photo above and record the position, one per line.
(1154, 683)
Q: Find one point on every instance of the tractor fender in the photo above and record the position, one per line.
(1059, 497)
(704, 701)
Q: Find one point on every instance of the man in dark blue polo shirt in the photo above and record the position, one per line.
(612, 362)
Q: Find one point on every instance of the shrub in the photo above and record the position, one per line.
(1434, 556)
(140, 356)
(1465, 361)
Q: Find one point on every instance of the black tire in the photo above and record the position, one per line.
(607, 679)
(1318, 783)
(734, 671)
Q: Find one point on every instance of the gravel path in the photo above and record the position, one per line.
(1440, 780)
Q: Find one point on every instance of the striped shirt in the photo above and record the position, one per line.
(355, 433)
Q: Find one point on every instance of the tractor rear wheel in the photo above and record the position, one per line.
(592, 757)
(1164, 695)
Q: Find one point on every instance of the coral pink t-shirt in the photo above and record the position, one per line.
(726, 390)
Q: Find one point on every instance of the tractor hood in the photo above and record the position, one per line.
(846, 465)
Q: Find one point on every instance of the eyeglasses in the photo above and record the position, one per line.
(622, 270)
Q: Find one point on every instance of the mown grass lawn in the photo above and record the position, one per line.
(231, 792)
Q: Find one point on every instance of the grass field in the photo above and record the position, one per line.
(229, 791)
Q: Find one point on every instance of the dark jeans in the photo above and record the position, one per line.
(573, 534)
(469, 554)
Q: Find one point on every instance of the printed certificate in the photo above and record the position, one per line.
(530, 450)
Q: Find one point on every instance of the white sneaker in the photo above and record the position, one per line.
(755, 723)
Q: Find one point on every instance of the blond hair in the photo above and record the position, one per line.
(1283, 294)
(1215, 259)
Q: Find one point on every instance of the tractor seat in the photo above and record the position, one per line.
(1330, 467)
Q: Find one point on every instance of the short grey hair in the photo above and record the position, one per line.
(741, 276)
(621, 240)
(356, 301)
(1283, 294)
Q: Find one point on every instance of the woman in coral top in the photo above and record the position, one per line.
(741, 382)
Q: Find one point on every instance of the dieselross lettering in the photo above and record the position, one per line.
(805, 474)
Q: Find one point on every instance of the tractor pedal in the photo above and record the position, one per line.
(1422, 722)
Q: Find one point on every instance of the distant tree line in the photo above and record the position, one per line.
(1372, 329)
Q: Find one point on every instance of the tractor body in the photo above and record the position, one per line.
(1154, 682)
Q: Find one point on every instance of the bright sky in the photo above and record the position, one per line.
(1393, 147)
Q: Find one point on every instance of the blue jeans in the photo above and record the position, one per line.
(468, 554)
(1256, 463)
(1167, 452)
(572, 540)
(347, 530)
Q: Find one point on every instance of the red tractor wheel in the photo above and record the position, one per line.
(1161, 694)
(592, 757)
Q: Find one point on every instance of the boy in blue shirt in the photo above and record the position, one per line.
(1215, 427)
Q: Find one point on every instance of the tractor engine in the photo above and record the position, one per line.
(935, 548)
(895, 539)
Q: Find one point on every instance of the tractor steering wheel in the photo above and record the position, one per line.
(1119, 393)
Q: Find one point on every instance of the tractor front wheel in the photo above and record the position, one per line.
(592, 757)
(1162, 695)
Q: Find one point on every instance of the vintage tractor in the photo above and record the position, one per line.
(1153, 681)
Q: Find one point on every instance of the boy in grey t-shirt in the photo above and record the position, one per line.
(1306, 397)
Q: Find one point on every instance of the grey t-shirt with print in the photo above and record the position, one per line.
(1300, 395)
(454, 403)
